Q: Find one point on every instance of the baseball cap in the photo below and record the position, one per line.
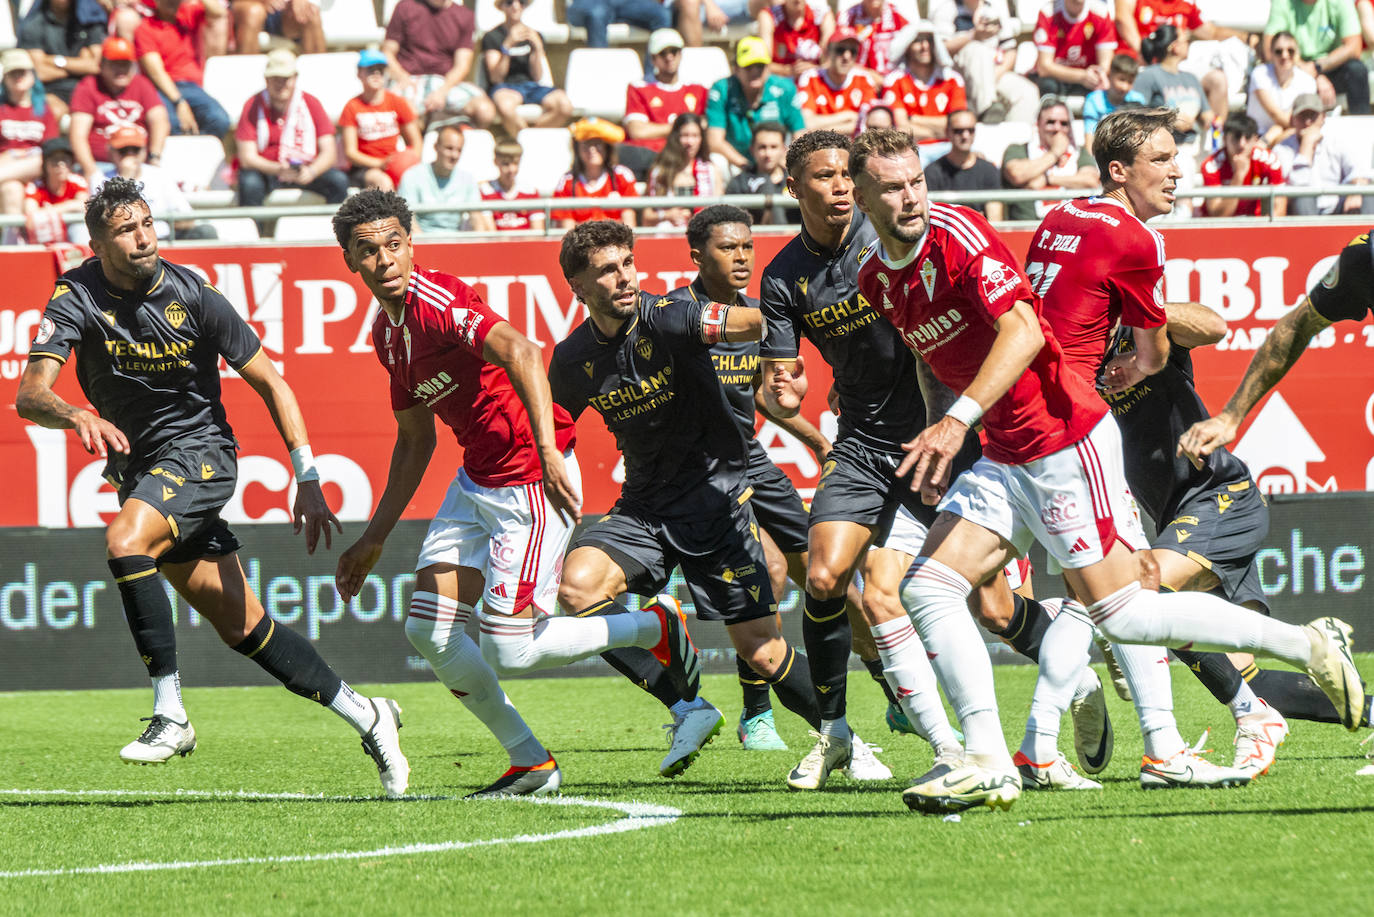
(843, 33)
(371, 58)
(662, 39)
(751, 50)
(15, 59)
(280, 62)
(117, 48)
(1307, 101)
(56, 145)
(598, 129)
(896, 51)
(128, 135)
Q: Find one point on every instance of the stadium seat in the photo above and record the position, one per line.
(236, 229)
(349, 23)
(991, 140)
(233, 79)
(703, 66)
(597, 78)
(8, 28)
(1241, 15)
(548, 155)
(1027, 11)
(285, 197)
(193, 162)
(331, 78)
(478, 159)
(304, 229)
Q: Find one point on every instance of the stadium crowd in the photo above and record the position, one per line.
(96, 88)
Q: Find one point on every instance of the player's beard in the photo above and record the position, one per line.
(908, 233)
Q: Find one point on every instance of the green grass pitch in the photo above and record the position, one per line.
(1297, 840)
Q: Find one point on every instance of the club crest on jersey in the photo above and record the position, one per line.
(928, 277)
(882, 278)
(176, 314)
(801, 282)
(405, 338)
(998, 279)
(645, 348)
(587, 368)
(387, 337)
(46, 329)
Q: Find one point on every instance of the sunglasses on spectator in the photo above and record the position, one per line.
(512, 2)
(845, 51)
(670, 52)
(1285, 52)
(961, 130)
(128, 150)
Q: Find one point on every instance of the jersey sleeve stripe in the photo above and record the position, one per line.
(965, 234)
(244, 365)
(436, 292)
(46, 355)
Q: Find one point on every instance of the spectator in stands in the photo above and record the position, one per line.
(1102, 102)
(1274, 87)
(1314, 156)
(56, 191)
(876, 22)
(925, 89)
(651, 105)
(832, 96)
(715, 15)
(980, 36)
(507, 187)
(877, 115)
(768, 175)
(1164, 85)
(961, 169)
(63, 49)
(125, 16)
(286, 140)
(129, 146)
(116, 96)
(1328, 35)
(23, 129)
(1049, 161)
(683, 169)
(749, 96)
(168, 46)
(596, 15)
(442, 182)
(296, 20)
(595, 174)
(1365, 10)
(373, 124)
(429, 48)
(513, 54)
(796, 31)
(1074, 43)
(1241, 162)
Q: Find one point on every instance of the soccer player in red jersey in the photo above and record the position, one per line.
(1051, 469)
(500, 534)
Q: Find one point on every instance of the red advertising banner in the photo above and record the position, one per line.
(1315, 434)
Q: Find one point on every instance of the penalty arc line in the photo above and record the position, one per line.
(639, 815)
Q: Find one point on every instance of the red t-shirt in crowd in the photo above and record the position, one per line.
(379, 126)
(815, 92)
(434, 356)
(617, 183)
(875, 35)
(110, 113)
(248, 123)
(906, 92)
(944, 299)
(508, 220)
(800, 43)
(659, 103)
(1075, 42)
(176, 42)
(39, 192)
(1265, 169)
(1151, 14)
(429, 38)
(21, 129)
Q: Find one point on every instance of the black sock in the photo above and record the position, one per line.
(1295, 695)
(792, 681)
(636, 664)
(290, 659)
(825, 631)
(875, 671)
(147, 611)
(1216, 672)
(754, 687)
(1027, 627)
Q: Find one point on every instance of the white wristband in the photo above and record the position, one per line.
(303, 461)
(966, 411)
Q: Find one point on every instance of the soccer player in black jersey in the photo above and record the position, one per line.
(643, 363)
(147, 337)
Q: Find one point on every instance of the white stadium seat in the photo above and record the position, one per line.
(548, 155)
(478, 155)
(1241, 15)
(991, 140)
(349, 23)
(703, 66)
(304, 229)
(193, 162)
(331, 78)
(236, 229)
(233, 79)
(597, 78)
(8, 27)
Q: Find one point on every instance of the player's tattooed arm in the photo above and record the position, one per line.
(37, 402)
(1276, 356)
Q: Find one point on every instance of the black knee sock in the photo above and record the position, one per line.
(147, 611)
(1216, 672)
(792, 681)
(754, 688)
(875, 671)
(290, 659)
(825, 631)
(638, 665)
(1294, 694)
(1027, 627)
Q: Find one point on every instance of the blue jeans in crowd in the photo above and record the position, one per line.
(596, 15)
(331, 184)
(211, 118)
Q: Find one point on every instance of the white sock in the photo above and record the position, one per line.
(1152, 691)
(435, 628)
(1087, 684)
(1197, 621)
(1063, 660)
(836, 729)
(938, 600)
(1245, 702)
(356, 710)
(512, 645)
(907, 671)
(167, 697)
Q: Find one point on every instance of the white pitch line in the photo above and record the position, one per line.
(639, 815)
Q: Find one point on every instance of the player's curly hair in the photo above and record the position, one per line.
(801, 148)
(699, 227)
(1121, 134)
(585, 238)
(370, 206)
(883, 142)
(115, 195)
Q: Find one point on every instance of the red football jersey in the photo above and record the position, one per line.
(875, 35)
(659, 103)
(1151, 14)
(815, 92)
(800, 43)
(943, 94)
(508, 220)
(1093, 264)
(617, 183)
(1075, 42)
(944, 299)
(1265, 169)
(434, 356)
